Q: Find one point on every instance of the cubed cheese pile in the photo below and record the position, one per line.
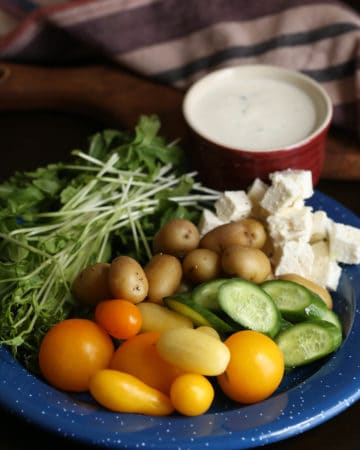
(302, 241)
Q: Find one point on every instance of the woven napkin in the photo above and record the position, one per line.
(176, 42)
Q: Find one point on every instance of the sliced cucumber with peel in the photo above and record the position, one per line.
(297, 319)
(308, 341)
(199, 315)
(319, 310)
(206, 294)
(291, 298)
(250, 306)
(297, 303)
(284, 324)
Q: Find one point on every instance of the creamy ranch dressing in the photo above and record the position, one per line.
(254, 114)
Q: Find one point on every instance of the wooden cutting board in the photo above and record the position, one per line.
(117, 98)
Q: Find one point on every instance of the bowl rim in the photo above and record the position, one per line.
(265, 69)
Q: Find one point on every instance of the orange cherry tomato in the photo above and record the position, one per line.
(72, 351)
(256, 367)
(138, 356)
(120, 318)
(191, 394)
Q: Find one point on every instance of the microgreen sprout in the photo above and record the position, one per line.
(57, 220)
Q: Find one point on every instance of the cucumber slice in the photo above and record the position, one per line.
(206, 294)
(330, 316)
(308, 341)
(250, 306)
(291, 298)
(198, 314)
(284, 324)
(297, 303)
(318, 310)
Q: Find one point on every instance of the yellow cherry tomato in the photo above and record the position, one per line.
(122, 392)
(191, 394)
(193, 351)
(256, 367)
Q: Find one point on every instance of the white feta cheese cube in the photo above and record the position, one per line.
(232, 205)
(256, 193)
(208, 221)
(283, 193)
(320, 226)
(333, 275)
(292, 224)
(295, 257)
(321, 249)
(344, 243)
(302, 178)
(257, 190)
(326, 272)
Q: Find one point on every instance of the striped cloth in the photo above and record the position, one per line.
(178, 41)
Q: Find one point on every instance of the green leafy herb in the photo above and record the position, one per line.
(58, 219)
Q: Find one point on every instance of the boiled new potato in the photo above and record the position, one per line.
(91, 285)
(176, 237)
(246, 262)
(246, 232)
(127, 279)
(164, 274)
(201, 264)
(314, 287)
(255, 232)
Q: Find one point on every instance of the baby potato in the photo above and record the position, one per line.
(255, 231)
(185, 286)
(314, 287)
(246, 232)
(201, 264)
(91, 285)
(246, 262)
(177, 238)
(164, 275)
(127, 279)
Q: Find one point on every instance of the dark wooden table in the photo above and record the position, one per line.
(27, 138)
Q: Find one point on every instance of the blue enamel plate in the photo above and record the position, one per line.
(306, 398)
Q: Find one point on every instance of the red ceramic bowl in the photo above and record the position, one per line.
(249, 121)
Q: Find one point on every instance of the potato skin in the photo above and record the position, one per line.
(176, 238)
(257, 234)
(164, 274)
(91, 284)
(127, 279)
(201, 264)
(246, 232)
(246, 262)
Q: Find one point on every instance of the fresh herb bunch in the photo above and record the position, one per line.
(58, 219)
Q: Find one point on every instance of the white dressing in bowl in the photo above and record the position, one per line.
(257, 108)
